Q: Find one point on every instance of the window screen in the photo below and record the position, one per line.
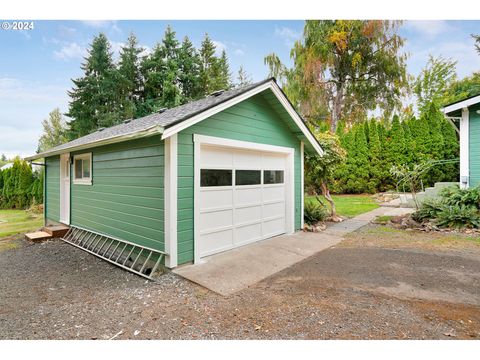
(215, 177)
(273, 176)
(247, 177)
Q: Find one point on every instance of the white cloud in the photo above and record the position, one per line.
(429, 28)
(289, 35)
(219, 46)
(147, 50)
(70, 51)
(116, 46)
(103, 24)
(23, 106)
(462, 51)
(97, 23)
(239, 52)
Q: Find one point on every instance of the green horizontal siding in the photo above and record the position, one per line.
(52, 188)
(126, 198)
(253, 120)
(474, 146)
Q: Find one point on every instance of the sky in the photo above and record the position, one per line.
(36, 66)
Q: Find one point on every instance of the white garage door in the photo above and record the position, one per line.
(242, 197)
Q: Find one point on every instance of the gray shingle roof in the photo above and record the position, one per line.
(164, 119)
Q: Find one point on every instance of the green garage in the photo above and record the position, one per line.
(188, 182)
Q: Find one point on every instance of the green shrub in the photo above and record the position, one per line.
(453, 195)
(314, 212)
(458, 216)
(428, 210)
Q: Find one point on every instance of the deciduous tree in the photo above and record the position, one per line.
(54, 131)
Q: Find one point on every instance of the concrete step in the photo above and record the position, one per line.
(38, 236)
(56, 231)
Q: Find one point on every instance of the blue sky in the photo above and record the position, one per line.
(36, 66)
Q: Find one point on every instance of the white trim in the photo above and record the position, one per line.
(212, 140)
(461, 105)
(289, 179)
(464, 148)
(65, 189)
(171, 200)
(82, 181)
(216, 109)
(302, 184)
(110, 140)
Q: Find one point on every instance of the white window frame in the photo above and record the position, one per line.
(82, 181)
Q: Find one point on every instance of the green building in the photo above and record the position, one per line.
(190, 181)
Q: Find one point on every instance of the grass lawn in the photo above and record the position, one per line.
(18, 221)
(350, 205)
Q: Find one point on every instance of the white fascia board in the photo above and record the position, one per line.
(294, 115)
(461, 104)
(216, 109)
(111, 140)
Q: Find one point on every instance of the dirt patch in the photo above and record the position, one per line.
(55, 291)
(385, 236)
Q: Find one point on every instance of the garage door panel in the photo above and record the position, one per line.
(216, 219)
(248, 233)
(274, 227)
(247, 160)
(216, 157)
(247, 196)
(212, 199)
(248, 214)
(252, 209)
(273, 161)
(274, 209)
(274, 193)
(215, 242)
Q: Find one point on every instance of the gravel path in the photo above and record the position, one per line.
(55, 291)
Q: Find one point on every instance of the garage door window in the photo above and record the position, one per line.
(247, 177)
(216, 177)
(273, 176)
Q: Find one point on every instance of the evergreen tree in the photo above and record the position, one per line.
(243, 79)
(361, 164)
(222, 73)
(208, 63)
(171, 94)
(162, 75)
(94, 96)
(451, 149)
(189, 71)
(374, 155)
(130, 78)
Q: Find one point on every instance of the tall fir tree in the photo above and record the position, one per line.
(94, 97)
(130, 78)
(189, 67)
(243, 78)
(208, 63)
(171, 94)
(222, 73)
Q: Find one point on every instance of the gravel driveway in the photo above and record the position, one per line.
(55, 291)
